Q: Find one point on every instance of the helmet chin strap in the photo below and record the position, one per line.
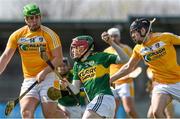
(149, 29)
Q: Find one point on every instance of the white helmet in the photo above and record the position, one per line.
(114, 31)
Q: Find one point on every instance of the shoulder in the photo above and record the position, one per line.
(137, 47)
(20, 31)
(108, 49)
(48, 31)
(167, 36)
(164, 34)
(100, 54)
(103, 55)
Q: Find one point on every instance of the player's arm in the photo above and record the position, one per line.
(76, 83)
(74, 86)
(56, 61)
(57, 57)
(6, 57)
(122, 56)
(126, 69)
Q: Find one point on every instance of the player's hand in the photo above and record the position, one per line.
(106, 37)
(41, 76)
(64, 83)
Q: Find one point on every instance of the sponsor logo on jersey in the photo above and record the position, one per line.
(153, 47)
(31, 44)
(154, 55)
(153, 52)
(87, 74)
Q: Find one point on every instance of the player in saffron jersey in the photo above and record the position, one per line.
(158, 52)
(27, 40)
(92, 70)
(124, 89)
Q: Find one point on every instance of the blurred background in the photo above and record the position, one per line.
(70, 18)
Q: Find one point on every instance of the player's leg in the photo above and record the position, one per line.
(102, 106)
(129, 106)
(126, 93)
(169, 111)
(49, 107)
(159, 102)
(65, 109)
(28, 106)
(119, 111)
(162, 96)
(150, 114)
(30, 101)
(51, 110)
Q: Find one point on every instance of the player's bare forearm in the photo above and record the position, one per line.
(57, 59)
(5, 58)
(125, 70)
(74, 86)
(122, 55)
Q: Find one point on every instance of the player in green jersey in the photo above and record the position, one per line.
(92, 70)
(67, 103)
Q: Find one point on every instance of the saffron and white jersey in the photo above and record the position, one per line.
(160, 55)
(28, 44)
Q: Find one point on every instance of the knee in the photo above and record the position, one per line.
(128, 110)
(27, 114)
(156, 113)
(54, 114)
(48, 114)
(149, 115)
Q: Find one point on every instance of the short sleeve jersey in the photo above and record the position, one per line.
(94, 73)
(160, 55)
(28, 44)
(115, 67)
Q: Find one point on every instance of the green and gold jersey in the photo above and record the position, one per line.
(94, 73)
(69, 100)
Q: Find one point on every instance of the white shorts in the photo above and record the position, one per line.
(74, 111)
(124, 90)
(104, 105)
(171, 89)
(40, 90)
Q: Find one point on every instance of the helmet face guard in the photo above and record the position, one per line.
(77, 48)
(80, 46)
(138, 24)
